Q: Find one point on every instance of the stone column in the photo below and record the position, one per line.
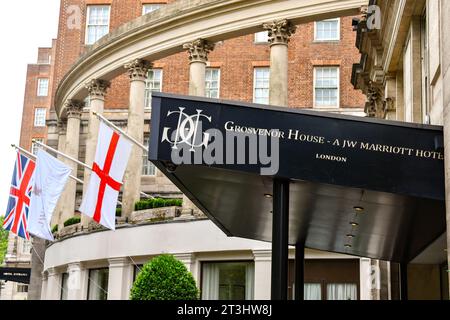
(137, 71)
(53, 291)
(62, 129)
(44, 285)
(263, 274)
(97, 92)
(74, 109)
(77, 282)
(120, 279)
(198, 56)
(279, 35)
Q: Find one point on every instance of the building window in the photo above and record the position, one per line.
(152, 84)
(98, 284)
(228, 281)
(212, 78)
(42, 90)
(261, 85)
(97, 23)
(147, 8)
(137, 269)
(148, 168)
(327, 30)
(26, 246)
(326, 87)
(313, 291)
(64, 286)
(35, 146)
(22, 288)
(39, 117)
(262, 37)
(342, 291)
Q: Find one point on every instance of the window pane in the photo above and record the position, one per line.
(261, 85)
(147, 8)
(39, 117)
(64, 286)
(342, 291)
(35, 146)
(148, 168)
(98, 284)
(152, 84)
(313, 291)
(97, 23)
(327, 30)
(228, 281)
(212, 81)
(262, 37)
(42, 87)
(326, 87)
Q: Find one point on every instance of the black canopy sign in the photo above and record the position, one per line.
(20, 275)
(335, 162)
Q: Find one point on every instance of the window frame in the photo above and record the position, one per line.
(38, 125)
(328, 40)
(147, 82)
(218, 81)
(88, 15)
(255, 40)
(89, 283)
(39, 81)
(39, 139)
(151, 4)
(338, 102)
(147, 137)
(254, 85)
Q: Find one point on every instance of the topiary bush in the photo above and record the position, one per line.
(157, 203)
(55, 228)
(164, 278)
(72, 221)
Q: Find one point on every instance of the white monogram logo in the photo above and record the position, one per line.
(187, 130)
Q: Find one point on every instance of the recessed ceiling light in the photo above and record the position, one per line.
(348, 246)
(358, 209)
(268, 195)
(354, 224)
(351, 236)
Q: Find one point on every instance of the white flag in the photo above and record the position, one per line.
(50, 177)
(111, 158)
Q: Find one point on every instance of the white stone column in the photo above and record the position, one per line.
(120, 279)
(279, 35)
(77, 282)
(198, 56)
(53, 291)
(74, 108)
(263, 274)
(62, 129)
(97, 92)
(44, 285)
(137, 71)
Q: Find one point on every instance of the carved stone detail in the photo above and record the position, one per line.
(280, 31)
(74, 108)
(198, 50)
(137, 69)
(97, 88)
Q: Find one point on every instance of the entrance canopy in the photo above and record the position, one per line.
(358, 186)
(20, 275)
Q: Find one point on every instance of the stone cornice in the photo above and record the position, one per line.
(198, 50)
(280, 31)
(137, 69)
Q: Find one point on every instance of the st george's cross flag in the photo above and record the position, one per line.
(16, 219)
(50, 178)
(111, 158)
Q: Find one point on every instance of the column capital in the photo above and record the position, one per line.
(198, 50)
(74, 108)
(97, 88)
(137, 69)
(280, 31)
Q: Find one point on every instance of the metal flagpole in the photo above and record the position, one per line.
(29, 154)
(113, 126)
(73, 159)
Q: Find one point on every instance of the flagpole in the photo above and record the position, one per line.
(75, 160)
(29, 154)
(113, 126)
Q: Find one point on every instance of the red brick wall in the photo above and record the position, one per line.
(236, 57)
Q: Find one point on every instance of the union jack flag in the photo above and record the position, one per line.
(19, 197)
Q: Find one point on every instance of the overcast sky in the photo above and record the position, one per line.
(21, 35)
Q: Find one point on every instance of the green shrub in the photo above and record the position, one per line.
(164, 278)
(157, 203)
(72, 221)
(55, 228)
(118, 212)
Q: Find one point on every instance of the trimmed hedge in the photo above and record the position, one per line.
(157, 203)
(72, 221)
(164, 278)
(55, 228)
(118, 212)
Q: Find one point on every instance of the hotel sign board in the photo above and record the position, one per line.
(20, 275)
(378, 155)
